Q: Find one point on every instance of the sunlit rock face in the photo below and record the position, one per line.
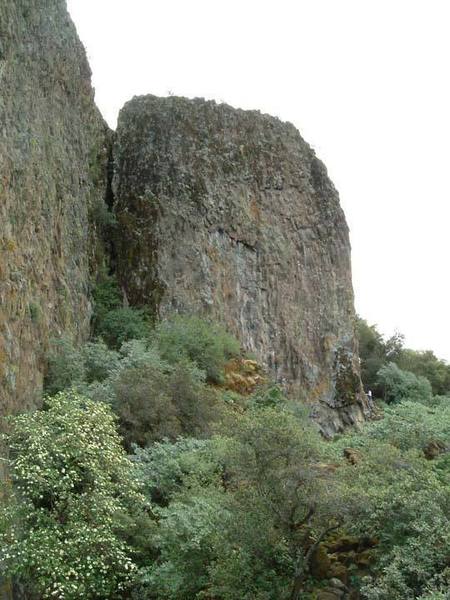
(52, 180)
(229, 214)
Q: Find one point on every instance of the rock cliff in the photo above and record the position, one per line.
(53, 153)
(229, 214)
(221, 212)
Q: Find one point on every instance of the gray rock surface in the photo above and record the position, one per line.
(229, 214)
(53, 155)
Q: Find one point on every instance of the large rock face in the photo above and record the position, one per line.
(52, 179)
(229, 214)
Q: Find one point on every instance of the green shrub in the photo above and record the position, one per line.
(71, 480)
(99, 361)
(411, 425)
(164, 468)
(398, 385)
(206, 344)
(113, 321)
(65, 368)
(153, 403)
(428, 365)
(121, 325)
(144, 406)
(107, 297)
(268, 397)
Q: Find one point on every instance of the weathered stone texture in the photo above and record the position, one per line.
(52, 178)
(229, 214)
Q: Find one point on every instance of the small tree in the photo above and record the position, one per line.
(400, 385)
(71, 483)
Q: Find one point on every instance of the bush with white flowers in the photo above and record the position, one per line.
(70, 485)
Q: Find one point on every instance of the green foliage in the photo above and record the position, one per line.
(166, 467)
(152, 398)
(99, 361)
(270, 396)
(237, 513)
(184, 479)
(121, 325)
(427, 365)
(66, 366)
(71, 480)
(375, 351)
(410, 425)
(113, 321)
(402, 499)
(397, 385)
(107, 297)
(154, 403)
(207, 345)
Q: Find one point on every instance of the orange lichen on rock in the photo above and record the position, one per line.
(243, 376)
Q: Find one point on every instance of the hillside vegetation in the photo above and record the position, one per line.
(165, 465)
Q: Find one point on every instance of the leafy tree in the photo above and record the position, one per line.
(410, 425)
(397, 385)
(375, 351)
(113, 320)
(165, 468)
(107, 297)
(184, 479)
(71, 481)
(426, 364)
(240, 515)
(99, 361)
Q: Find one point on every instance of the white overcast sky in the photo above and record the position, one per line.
(367, 82)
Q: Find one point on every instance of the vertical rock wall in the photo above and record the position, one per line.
(229, 214)
(52, 181)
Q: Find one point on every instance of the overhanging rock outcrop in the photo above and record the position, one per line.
(229, 214)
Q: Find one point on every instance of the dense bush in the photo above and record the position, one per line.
(427, 365)
(113, 320)
(99, 361)
(403, 499)
(397, 385)
(208, 345)
(121, 325)
(71, 479)
(410, 425)
(66, 366)
(375, 352)
(152, 398)
(107, 297)
(153, 404)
